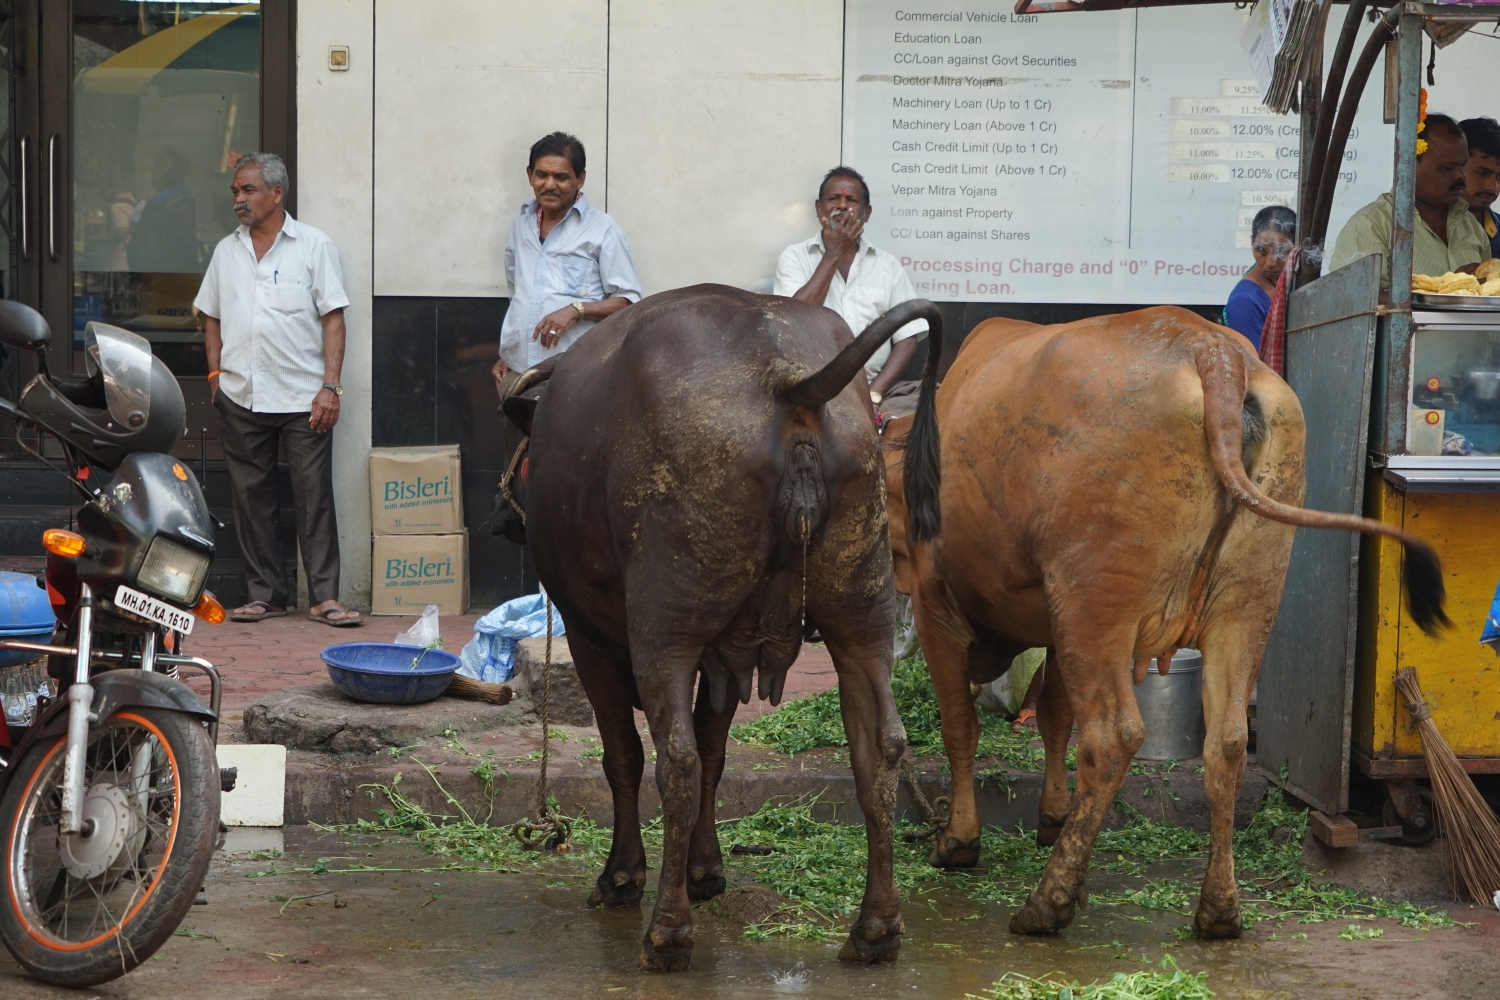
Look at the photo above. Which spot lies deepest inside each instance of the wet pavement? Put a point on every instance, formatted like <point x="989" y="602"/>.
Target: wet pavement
<point x="437" y="935"/>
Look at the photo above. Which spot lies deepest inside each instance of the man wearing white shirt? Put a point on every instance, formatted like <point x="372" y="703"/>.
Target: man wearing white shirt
<point x="842" y="271"/>
<point x="273" y="300"/>
<point x="567" y="264"/>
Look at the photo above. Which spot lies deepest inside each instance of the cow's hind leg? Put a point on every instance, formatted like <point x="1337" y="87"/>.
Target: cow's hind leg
<point x="1094" y="664"/>
<point x="1054" y="718"/>
<point x="1230" y="656"/>
<point x="608" y="686"/>
<point x="876" y="743"/>
<point x="667" y="694"/>
<point x="945" y="644"/>
<point x="705" y="861"/>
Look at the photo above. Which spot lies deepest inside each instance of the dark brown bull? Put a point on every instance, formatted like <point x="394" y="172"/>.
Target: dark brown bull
<point x="1114" y="489"/>
<point x="704" y="486"/>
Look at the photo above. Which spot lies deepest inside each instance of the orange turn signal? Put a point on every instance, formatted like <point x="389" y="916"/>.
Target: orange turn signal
<point x="209" y="609"/>
<point x="61" y="542"/>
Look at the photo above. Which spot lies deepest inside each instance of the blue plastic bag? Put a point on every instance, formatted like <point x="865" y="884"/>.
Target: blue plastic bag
<point x="491" y="655"/>
<point x="1491" y="635"/>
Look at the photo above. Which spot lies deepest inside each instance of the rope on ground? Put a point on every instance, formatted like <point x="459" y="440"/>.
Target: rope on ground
<point x="545" y="829"/>
<point x="933" y="813"/>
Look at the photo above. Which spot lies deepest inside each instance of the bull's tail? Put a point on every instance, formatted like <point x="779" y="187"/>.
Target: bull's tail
<point x="1225" y="406"/>
<point x="830" y="380"/>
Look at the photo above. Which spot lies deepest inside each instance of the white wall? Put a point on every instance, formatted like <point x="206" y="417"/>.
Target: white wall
<point x="723" y="117"/>
<point x="462" y="89"/>
<point x="335" y="161"/>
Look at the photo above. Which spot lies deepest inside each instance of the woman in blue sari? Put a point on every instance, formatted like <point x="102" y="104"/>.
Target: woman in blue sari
<point x="1273" y="232"/>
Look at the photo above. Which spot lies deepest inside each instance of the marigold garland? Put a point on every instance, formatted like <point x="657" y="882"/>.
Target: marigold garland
<point x="1421" y="120"/>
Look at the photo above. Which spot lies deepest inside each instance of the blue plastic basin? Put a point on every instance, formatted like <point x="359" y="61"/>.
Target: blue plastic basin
<point x="389" y="674"/>
<point x="25" y="614"/>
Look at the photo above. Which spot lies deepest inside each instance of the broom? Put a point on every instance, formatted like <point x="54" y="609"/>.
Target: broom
<point x="1469" y="827"/>
<point x="468" y="687"/>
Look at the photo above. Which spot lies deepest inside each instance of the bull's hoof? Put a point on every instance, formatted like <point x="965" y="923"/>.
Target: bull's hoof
<point x="871" y="941"/>
<point x="667" y="949"/>
<point x="950" y="852"/>
<point x="620" y="889"/>
<point x="1048" y="829"/>
<point x="1217" y="925"/>
<point x="1040" y="919"/>
<point x="705" y="888"/>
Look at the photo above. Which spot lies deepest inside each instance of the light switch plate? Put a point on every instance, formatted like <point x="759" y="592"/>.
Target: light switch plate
<point x="338" y="58"/>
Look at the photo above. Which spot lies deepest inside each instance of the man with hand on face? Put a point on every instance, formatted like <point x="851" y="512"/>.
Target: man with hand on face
<point x="567" y="263"/>
<point x="841" y="270"/>
<point x="1447" y="237"/>
<point x="273" y="302"/>
<point x="1482" y="176"/>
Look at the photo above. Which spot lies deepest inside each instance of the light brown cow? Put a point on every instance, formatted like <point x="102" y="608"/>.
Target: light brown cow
<point x="1114" y="489"/>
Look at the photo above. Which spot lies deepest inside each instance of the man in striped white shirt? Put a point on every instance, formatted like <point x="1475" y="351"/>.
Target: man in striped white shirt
<point x="567" y="263"/>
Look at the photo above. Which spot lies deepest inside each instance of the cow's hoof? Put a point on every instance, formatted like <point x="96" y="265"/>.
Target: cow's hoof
<point x="620" y="889"/>
<point x="667" y="949"/>
<point x="705" y="888"/>
<point x="1048" y="829"/>
<point x="1039" y="918"/>
<point x="950" y="852"/>
<point x="871" y="941"/>
<point x="1217" y="925"/>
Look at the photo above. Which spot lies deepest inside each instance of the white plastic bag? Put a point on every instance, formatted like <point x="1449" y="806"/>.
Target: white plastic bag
<point x="425" y="632"/>
<point x="491" y="655"/>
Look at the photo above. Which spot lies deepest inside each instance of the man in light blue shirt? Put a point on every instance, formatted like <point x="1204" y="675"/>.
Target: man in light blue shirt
<point x="567" y="263"/>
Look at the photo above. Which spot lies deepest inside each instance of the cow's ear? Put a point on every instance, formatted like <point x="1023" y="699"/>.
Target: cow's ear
<point x="519" y="410"/>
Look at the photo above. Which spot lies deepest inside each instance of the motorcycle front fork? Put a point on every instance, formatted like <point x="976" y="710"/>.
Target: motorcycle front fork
<point x="80" y="714"/>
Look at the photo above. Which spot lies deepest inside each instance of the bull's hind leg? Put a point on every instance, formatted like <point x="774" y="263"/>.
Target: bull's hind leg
<point x="1231" y="655"/>
<point x="666" y="687"/>
<point x="876" y="744"/>
<point x="705" y="863"/>
<point x="1054" y="719"/>
<point x="945" y="644"/>
<point x="1094" y="663"/>
<point x="608" y="686"/>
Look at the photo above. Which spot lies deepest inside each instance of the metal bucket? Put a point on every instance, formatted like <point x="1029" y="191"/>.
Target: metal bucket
<point x="1172" y="707"/>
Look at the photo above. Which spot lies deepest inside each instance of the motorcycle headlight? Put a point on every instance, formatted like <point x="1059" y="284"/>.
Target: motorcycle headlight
<point x="173" y="571"/>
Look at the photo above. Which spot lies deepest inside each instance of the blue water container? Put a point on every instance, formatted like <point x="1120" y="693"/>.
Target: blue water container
<point x="25" y="613"/>
<point x="388" y="673"/>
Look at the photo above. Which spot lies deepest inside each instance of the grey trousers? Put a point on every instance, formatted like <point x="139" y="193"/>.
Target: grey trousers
<point x="251" y="448"/>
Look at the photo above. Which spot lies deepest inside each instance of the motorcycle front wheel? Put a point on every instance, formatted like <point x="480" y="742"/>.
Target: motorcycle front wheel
<point x="81" y="910"/>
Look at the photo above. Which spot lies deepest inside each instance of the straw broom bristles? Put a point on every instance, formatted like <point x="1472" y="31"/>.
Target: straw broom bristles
<point x="468" y="687"/>
<point x="1468" y="824"/>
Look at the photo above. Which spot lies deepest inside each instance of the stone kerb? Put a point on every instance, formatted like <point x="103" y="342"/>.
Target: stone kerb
<point x="569" y="704"/>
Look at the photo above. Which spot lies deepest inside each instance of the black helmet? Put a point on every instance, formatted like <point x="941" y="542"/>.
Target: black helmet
<point x="130" y="401"/>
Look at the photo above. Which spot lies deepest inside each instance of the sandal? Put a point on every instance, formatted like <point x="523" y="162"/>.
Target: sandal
<point x="256" y="611"/>
<point x="1026" y="720"/>
<point x="350" y="619"/>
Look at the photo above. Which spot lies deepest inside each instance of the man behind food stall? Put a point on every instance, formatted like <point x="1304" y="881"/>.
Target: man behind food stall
<point x="1447" y="237"/>
<point x="1482" y="175"/>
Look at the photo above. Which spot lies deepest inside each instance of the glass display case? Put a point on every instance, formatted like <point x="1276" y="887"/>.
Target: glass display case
<point x="1455" y="385"/>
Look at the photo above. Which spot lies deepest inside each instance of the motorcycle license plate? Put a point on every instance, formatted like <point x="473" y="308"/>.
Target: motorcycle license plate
<point x="160" y="612"/>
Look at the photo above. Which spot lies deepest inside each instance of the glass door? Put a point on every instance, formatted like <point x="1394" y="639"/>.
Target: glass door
<point x="130" y="118"/>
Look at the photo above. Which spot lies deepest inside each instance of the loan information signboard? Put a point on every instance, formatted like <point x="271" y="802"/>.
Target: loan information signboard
<point x="1113" y="157"/>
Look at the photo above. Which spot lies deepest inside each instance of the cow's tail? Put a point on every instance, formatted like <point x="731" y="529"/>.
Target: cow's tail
<point x="1231" y="417"/>
<point x="830" y="380"/>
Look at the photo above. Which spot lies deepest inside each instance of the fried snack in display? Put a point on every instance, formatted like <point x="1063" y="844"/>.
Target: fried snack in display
<point x="1458" y="284"/>
<point x="1491" y="287"/>
<point x="1488" y="270"/>
<point x="1424" y="283"/>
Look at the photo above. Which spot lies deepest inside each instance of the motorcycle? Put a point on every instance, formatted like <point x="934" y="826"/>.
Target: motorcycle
<point x="109" y="799"/>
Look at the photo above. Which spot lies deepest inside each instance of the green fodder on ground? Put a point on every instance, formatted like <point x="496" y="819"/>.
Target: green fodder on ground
<point x="1169" y="984"/>
<point x="811" y="722"/>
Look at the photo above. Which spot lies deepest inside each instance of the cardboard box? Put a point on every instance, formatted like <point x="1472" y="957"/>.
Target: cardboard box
<point x="410" y="572"/>
<point x="416" y="491"/>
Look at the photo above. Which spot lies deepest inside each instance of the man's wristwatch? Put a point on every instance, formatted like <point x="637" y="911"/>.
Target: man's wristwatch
<point x="337" y="390"/>
<point x="579" y="307"/>
<point x="876" y="397"/>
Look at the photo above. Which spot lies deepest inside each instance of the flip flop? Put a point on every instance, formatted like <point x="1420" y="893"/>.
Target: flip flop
<point x="322" y="616"/>
<point x="245" y="614"/>
<point x="1026" y="720"/>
